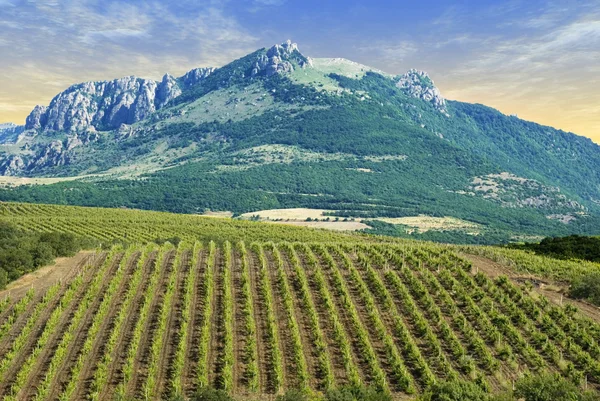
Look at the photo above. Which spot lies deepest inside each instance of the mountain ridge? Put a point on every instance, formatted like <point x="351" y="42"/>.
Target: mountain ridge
<point x="393" y="141"/>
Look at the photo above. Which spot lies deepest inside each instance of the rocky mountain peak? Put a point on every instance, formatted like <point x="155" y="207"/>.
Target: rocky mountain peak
<point x="167" y="90"/>
<point x="281" y="59"/>
<point x="5" y="126"/>
<point x="196" y="75"/>
<point x="10" y="132"/>
<point x="99" y="105"/>
<point x="418" y="84"/>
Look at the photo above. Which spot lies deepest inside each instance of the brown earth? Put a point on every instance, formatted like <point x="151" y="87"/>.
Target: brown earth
<point x="553" y="291"/>
<point x="63" y="269"/>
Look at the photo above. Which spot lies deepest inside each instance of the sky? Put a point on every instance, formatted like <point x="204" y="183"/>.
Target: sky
<point x="539" y="59"/>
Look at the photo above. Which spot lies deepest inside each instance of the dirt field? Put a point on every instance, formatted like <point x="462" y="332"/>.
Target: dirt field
<point x="43" y="278"/>
<point x="329" y="225"/>
<point x="298" y="217"/>
<point x="322" y="314"/>
<point x="426" y="223"/>
<point x="288" y="214"/>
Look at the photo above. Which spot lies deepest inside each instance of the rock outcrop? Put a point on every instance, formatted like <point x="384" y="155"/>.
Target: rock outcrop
<point x="9" y="132"/>
<point x="195" y="76"/>
<point x="12" y="165"/>
<point x="37" y="118"/>
<point x="280" y="59"/>
<point x="418" y="84"/>
<point x="105" y="105"/>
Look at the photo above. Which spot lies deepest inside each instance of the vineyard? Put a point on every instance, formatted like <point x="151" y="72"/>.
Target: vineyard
<point x="128" y="225"/>
<point x="256" y="318"/>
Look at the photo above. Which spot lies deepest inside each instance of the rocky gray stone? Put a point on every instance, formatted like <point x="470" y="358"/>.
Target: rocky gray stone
<point x="279" y="60"/>
<point x="418" y="84"/>
<point x="9" y="132"/>
<point x="12" y="165"/>
<point x="166" y="91"/>
<point x="105" y="105"/>
<point x="196" y="75"/>
<point x="37" y="118"/>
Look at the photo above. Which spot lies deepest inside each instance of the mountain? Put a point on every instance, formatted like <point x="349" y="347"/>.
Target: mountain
<point x="277" y="129"/>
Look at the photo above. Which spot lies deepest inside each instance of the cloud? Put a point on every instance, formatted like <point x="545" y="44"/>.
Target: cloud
<point x="48" y="45"/>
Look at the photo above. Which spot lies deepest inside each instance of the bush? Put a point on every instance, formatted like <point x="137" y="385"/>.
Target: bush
<point x="454" y="391"/>
<point x="587" y="287"/>
<point x="211" y="394"/>
<point x="549" y="387"/>
<point x="22" y="252"/>
<point x="293" y="395"/>
<point x="357" y="394"/>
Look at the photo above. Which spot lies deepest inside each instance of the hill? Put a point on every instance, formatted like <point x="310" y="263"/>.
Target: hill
<point x="257" y="315"/>
<point x="276" y="129"/>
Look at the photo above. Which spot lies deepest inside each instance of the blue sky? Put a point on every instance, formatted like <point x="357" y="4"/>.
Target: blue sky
<point x="535" y="58"/>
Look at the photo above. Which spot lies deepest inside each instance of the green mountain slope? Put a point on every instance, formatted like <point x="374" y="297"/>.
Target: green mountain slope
<point x="276" y="129"/>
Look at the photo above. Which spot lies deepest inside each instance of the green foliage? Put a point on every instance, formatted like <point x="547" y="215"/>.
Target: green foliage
<point x="454" y="391"/>
<point x="22" y="252"/>
<point x="549" y="387"/>
<point x="571" y="247"/>
<point x="294" y="395"/>
<point x="434" y="159"/>
<point x="211" y="394"/>
<point x="587" y="287"/>
<point x="357" y="393"/>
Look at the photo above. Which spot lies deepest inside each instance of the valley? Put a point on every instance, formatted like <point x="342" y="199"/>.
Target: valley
<point x="277" y="129"/>
<point x="258" y="309"/>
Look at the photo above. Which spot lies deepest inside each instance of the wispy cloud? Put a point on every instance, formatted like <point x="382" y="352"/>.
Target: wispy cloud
<point x="45" y="43"/>
<point x="538" y="58"/>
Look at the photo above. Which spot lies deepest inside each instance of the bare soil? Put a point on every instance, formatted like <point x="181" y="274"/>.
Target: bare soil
<point x="196" y="321"/>
<point x="46" y="356"/>
<point x="358" y="358"/>
<point x="115" y="371"/>
<point x="260" y="318"/>
<point x="217" y="324"/>
<point x="143" y="353"/>
<point x="63" y="269"/>
<point x="39" y="327"/>
<point x="171" y="339"/>
<point x="555" y="292"/>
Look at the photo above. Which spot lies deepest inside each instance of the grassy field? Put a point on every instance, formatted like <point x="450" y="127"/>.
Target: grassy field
<point x="257" y="309"/>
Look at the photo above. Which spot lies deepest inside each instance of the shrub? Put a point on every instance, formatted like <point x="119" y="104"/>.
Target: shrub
<point x="358" y="393"/>
<point x="454" y="391"/>
<point x="587" y="287"/>
<point x="211" y="394"/>
<point x="549" y="387"/>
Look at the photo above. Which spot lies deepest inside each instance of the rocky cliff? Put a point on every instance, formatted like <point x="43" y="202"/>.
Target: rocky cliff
<point x="280" y="59"/>
<point x="105" y="105"/>
<point x="418" y="84"/>
<point x="9" y="132"/>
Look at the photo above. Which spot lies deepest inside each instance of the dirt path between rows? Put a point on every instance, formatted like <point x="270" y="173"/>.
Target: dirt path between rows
<point x="142" y="360"/>
<point x="40" y="326"/>
<point x="262" y="353"/>
<point x="173" y="335"/>
<point x="46" y="356"/>
<point x="115" y="371"/>
<point x="217" y="325"/>
<point x="554" y="293"/>
<point x="43" y="278"/>
<point x="197" y="317"/>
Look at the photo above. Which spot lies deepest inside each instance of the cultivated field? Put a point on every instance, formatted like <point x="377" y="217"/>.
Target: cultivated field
<point x="258" y="317"/>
